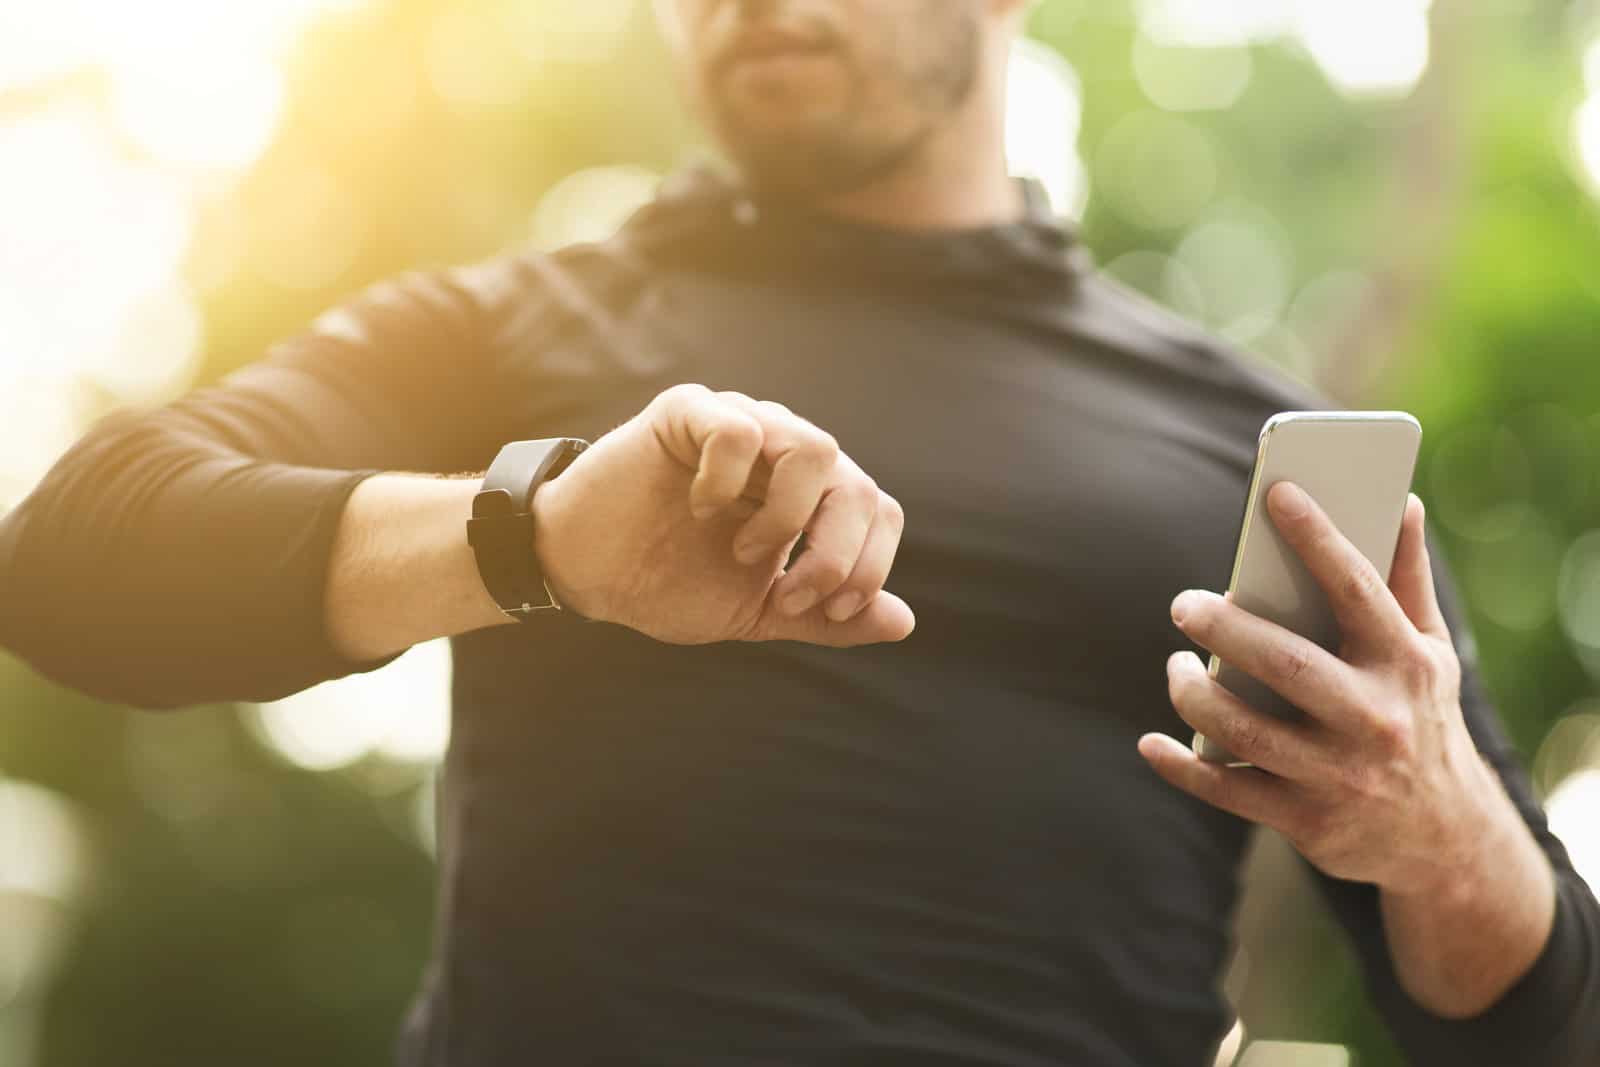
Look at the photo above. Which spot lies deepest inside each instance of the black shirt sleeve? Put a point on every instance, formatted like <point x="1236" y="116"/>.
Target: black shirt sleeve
<point x="1551" y="1017"/>
<point x="179" y="555"/>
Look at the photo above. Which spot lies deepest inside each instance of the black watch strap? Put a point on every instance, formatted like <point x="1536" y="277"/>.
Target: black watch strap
<point x="501" y="530"/>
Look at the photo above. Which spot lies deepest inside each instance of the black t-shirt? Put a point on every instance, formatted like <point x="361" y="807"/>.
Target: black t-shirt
<point x="940" y="852"/>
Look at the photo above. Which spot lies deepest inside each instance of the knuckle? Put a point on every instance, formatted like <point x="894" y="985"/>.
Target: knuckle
<point x="862" y="493"/>
<point x="781" y="526"/>
<point x="1356" y="777"/>
<point x="1420" y="669"/>
<point x="682" y="393"/>
<point x="829" y="570"/>
<point x="1289" y="660"/>
<point x="1390" y="734"/>
<point x="1449" y="667"/>
<point x="741" y="430"/>
<point x="1360" y="586"/>
<point x="892" y="511"/>
<point x="821" y="445"/>
<point x="772" y="407"/>
<point x="1309" y="830"/>
<point x="1246" y="735"/>
<point x="1446" y="664"/>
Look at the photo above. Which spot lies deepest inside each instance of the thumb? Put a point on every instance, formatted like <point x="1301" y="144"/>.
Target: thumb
<point x="1411" y="578"/>
<point x="885" y="618"/>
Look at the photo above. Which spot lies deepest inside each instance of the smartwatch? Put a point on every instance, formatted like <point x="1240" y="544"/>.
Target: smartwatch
<point x="501" y="529"/>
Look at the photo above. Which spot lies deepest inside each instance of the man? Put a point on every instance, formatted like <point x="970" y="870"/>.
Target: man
<point x="696" y="836"/>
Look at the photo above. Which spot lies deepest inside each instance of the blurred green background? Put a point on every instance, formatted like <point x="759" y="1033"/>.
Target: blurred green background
<point x="1393" y="200"/>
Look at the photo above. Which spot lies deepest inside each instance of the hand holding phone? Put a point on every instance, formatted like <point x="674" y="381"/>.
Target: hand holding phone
<point x="1358" y="466"/>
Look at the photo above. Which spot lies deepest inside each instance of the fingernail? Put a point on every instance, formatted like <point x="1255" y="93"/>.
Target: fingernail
<point x="843" y="606"/>
<point x="799" y="601"/>
<point x="1182" y="606"/>
<point x="1159" y="748"/>
<point x="1292" y="502"/>
<point x="1174" y="662"/>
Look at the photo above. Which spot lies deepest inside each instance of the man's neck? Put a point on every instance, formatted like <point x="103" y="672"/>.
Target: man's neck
<point x="933" y="198"/>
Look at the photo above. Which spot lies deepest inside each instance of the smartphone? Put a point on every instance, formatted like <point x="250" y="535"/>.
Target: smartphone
<point x="1358" y="466"/>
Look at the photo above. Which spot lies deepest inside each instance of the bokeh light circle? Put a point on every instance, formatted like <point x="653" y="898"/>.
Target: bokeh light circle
<point x="1043" y="111"/>
<point x="43" y="850"/>
<point x="222" y="114"/>
<point x="1574" y="812"/>
<point x="1214" y="23"/>
<point x="1513" y="580"/>
<point x="1368" y="47"/>
<point x="591" y="204"/>
<point x="1482" y="482"/>
<point x="1159" y="277"/>
<point x="309" y="233"/>
<point x="400" y="712"/>
<point x="473" y="63"/>
<point x="1156" y="170"/>
<point x="1244" y="268"/>
<point x="1572" y="745"/>
<point x="1586" y="140"/>
<point x="1177" y="78"/>
<point x="1578" y="597"/>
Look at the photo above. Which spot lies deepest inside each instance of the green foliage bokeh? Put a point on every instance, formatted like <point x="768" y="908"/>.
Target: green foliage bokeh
<point x="244" y="911"/>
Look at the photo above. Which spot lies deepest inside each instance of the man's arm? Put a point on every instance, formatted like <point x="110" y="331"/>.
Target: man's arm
<point x="1494" y="884"/>
<point x="245" y="542"/>
<point x="180" y="555"/>
<point x="678" y="524"/>
<point x="401" y="571"/>
<point x="1479" y="940"/>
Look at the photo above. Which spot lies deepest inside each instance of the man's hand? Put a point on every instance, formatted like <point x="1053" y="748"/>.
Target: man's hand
<point x="679" y="524"/>
<point x="1380" y="782"/>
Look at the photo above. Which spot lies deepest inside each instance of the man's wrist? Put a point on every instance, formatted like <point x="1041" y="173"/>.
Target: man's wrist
<point x="1463" y="936"/>
<point x="503" y="530"/>
<point x="1484" y="833"/>
<point x="547" y="505"/>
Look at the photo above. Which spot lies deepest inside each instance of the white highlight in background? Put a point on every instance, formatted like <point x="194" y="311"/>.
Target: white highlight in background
<point x="591" y="204"/>
<point x="219" y="114"/>
<point x="1043" y="110"/>
<point x="41" y="846"/>
<point x="1574" y="812"/>
<point x="400" y="712"/>
<point x="1364" y="47"/>
<point x="1586" y="140"/>
<point x="1294" y="1054"/>
<point x="1215" y="23"/>
<point x="1368" y="47"/>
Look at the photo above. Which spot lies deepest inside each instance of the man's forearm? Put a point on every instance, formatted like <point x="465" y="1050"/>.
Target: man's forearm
<point x="401" y="570"/>
<point x="1460" y="947"/>
<point x="654" y="527"/>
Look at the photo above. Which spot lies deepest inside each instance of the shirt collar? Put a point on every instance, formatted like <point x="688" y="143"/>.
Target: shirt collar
<point x="703" y="220"/>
